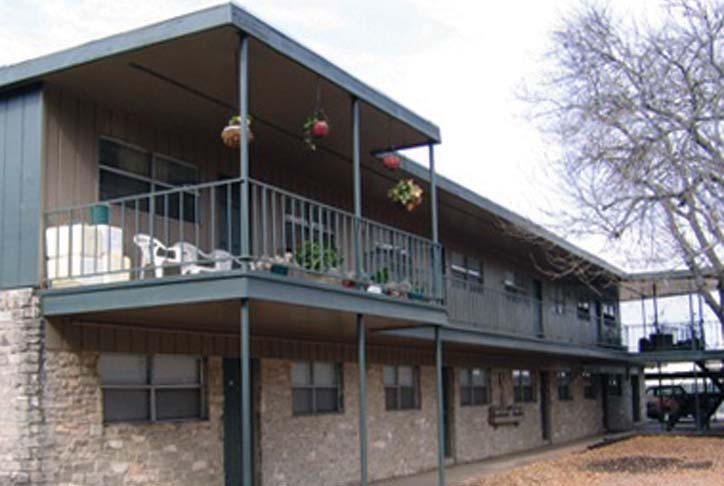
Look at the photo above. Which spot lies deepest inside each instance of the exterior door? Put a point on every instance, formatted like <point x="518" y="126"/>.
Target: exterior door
<point x="604" y="400"/>
<point x="232" y="420"/>
<point x="545" y="399"/>
<point x="538" y="307"/>
<point x="635" y="398"/>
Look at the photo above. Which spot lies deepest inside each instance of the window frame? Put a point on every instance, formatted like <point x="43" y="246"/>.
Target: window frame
<point x="559" y="300"/>
<point x="564" y="384"/>
<point x="155" y="184"/>
<point x="583" y="309"/>
<point x="519" y="388"/>
<point x="467" y="271"/>
<point x="417" y="405"/>
<point x="151" y="388"/>
<point x="589" y="386"/>
<point x="471" y="387"/>
<point x="313" y="387"/>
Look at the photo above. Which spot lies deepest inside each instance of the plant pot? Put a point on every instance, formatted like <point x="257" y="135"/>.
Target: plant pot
<point x="391" y="161"/>
<point x="99" y="214"/>
<point x="231" y="135"/>
<point x="281" y="270"/>
<point x="415" y="296"/>
<point x="350" y="284"/>
<point x="319" y="129"/>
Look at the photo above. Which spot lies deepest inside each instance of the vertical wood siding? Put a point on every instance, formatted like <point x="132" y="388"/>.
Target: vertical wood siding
<point x="21" y="127"/>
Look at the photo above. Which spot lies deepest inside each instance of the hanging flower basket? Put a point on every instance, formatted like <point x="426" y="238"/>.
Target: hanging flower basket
<point x="407" y="193"/>
<point x="391" y="160"/>
<point x="315" y="128"/>
<point x="231" y="134"/>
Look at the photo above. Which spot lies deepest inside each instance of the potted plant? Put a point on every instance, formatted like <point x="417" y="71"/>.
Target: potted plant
<point x="231" y="134"/>
<point x="407" y="193"/>
<point x="391" y="160"/>
<point x="315" y="128"/>
<point x="378" y="280"/>
<point x="416" y="292"/>
<point x="313" y="257"/>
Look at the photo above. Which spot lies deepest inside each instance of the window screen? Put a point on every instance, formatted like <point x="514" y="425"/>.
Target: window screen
<point x="402" y="388"/>
<point x="523" y="386"/>
<point x="563" y="381"/>
<point x="151" y="388"/>
<point x="316" y="387"/>
<point x="474" y="387"/>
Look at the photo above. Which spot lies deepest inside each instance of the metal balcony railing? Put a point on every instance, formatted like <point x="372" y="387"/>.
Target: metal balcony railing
<point x="198" y="229"/>
<point x="472" y="304"/>
<point x="704" y="335"/>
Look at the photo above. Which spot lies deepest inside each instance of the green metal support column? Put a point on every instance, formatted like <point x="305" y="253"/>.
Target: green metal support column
<point x="357" y="175"/>
<point x="244" y="146"/>
<point x="437" y="289"/>
<point x="362" y="365"/>
<point x="245" y="367"/>
<point x="440" y="411"/>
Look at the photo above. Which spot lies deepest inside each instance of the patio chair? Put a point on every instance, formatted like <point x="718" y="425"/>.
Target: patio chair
<point x="200" y="261"/>
<point x="161" y="254"/>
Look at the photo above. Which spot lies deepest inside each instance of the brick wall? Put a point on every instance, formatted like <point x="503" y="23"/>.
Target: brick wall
<point x="21" y="413"/>
<point x="84" y="452"/>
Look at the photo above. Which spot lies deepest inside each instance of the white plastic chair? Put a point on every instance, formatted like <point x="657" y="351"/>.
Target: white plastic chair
<point x="161" y="254"/>
<point x="222" y="260"/>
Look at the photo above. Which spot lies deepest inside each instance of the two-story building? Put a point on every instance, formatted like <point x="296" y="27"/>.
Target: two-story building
<point x="181" y="309"/>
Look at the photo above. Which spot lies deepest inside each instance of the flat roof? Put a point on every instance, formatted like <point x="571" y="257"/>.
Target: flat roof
<point x="228" y="14"/>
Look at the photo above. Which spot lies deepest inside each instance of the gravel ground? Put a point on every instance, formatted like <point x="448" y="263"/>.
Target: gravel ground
<point x="640" y="461"/>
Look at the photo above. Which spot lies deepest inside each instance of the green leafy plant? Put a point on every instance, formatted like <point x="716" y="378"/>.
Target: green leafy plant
<point x="407" y="193"/>
<point x="381" y="276"/>
<point x="312" y="256"/>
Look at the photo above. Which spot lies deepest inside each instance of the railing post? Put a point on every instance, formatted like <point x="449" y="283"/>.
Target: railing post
<point x="244" y="147"/>
<point x="436" y="254"/>
<point x="357" y="189"/>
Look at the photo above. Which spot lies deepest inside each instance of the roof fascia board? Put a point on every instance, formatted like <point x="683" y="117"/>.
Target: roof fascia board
<point x="116" y="44"/>
<point x="292" y="49"/>
<point x="489" y="206"/>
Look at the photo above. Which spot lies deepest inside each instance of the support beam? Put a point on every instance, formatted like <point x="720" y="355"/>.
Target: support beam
<point x="362" y="366"/>
<point x="244" y="146"/>
<point x="245" y="367"/>
<point x="440" y="409"/>
<point x="356" y="161"/>
<point x="437" y="257"/>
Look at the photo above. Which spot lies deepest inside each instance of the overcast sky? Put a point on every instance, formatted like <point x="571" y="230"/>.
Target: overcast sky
<point x="458" y="63"/>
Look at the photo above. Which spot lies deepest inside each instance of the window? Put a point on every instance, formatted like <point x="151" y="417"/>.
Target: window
<point x="559" y="300"/>
<point x="589" y="386"/>
<point x="608" y="309"/>
<point x="523" y="387"/>
<point x="583" y="309"/>
<point x="402" y="387"/>
<point x="126" y="170"/>
<point x="563" y="380"/>
<point x="151" y="388"/>
<point x="515" y="283"/>
<point x="474" y="386"/>
<point x="614" y="385"/>
<point x="316" y="388"/>
<point x="463" y="267"/>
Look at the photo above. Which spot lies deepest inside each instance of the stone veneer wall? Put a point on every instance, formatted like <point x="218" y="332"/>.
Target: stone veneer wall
<point x="84" y="452"/>
<point x="476" y="439"/>
<point x="323" y="450"/>
<point x="21" y="413"/>
<point x="620" y="415"/>
<point x="577" y="418"/>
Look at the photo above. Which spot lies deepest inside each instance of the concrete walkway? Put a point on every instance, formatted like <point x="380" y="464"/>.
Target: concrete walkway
<point x="458" y="474"/>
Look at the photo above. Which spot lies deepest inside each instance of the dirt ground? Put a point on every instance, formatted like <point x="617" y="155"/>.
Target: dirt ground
<point x="640" y="461"/>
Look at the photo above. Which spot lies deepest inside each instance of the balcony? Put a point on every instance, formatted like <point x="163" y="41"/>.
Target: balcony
<point x="499" y="311"/>
<point x="194" y="230"/>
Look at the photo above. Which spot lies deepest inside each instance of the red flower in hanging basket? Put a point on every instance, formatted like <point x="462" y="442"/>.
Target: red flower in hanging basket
<point x="315" y="128"/>
<point x="391" y="161"/>
<point x="320" y="128"/>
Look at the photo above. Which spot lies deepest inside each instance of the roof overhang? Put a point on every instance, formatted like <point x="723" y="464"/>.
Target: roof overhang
<point x="196" y="22"/>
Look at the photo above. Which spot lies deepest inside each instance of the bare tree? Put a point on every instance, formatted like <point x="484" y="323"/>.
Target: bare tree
<point x="639" y="114"/>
